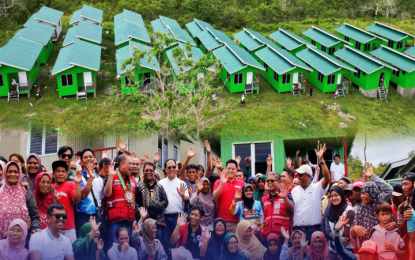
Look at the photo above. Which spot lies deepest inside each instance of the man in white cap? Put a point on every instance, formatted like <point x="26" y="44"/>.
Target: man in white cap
<point x="307" y="197"/>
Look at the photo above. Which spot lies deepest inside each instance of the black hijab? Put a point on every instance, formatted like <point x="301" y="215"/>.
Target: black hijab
<point x="336" y="211"/>
<point x="247" y="203"/>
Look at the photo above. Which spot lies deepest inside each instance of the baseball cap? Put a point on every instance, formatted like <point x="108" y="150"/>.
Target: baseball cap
<point x="59" y="163"/>
<point x="305" y="169"/>
<point x="368" y="246"/>
<point x="397" y="190"/>
<point x="358" y="183"/>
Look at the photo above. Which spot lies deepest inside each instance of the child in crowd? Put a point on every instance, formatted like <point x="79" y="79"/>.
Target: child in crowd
<point x="390" y="245"/>
<point x="368" y="251"/>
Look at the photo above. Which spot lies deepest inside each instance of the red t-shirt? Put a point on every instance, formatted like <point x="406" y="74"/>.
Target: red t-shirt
<point x="226" y="197"/>
<point x="66" y="193"/>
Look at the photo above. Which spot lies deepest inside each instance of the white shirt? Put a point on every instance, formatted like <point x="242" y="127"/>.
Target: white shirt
<point x="97" y="187"/>
<point x="50" y="247"/>
<point x="338" y="170"/>
<point x="307" y="204"/>
<point x="176" y="204"/>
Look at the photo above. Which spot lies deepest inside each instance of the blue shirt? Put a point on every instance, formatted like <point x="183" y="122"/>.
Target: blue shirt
<point x="411" y="223"/>
<point x="87" y="205"/>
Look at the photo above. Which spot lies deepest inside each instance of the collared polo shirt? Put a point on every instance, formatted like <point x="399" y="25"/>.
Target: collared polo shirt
<point x="307" y="209"/>
<point x="176" y="204"/>
<point x="50" y="247"/>
<point x="226" y="197"/>
<point x="338" y="170"/>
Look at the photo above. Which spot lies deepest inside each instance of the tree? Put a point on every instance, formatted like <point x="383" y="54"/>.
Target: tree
<point x="390" y="8"/>
<point x="380" y="168"/>
<point x="375" y="6"/>
<point x="355" y="167"/>
<point x="411" y="154"/>
<point x="6" y="5"/>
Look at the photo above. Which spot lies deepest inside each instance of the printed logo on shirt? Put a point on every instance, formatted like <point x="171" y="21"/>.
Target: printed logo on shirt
<point x="60" y="193"/>
<point x="238" y="187"/>
<point x="249" y="214"/>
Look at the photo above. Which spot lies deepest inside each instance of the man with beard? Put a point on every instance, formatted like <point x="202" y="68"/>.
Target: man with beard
<point x="50" y="244"/>
<point x="135" y="169"/>
<point x="404" y="210"/>
<point x="153" y="197"/>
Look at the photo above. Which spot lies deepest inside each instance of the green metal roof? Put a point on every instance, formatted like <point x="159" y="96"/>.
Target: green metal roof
<point x="49" y="15"/>
<point x="158" y="26"/>
<point x="411" y="51"/>
<point x="88" y="12"/>
<point x="355" y="33"/>
<point x="222" y="37"/>
<point x="395" y="58"/>
<point x="80" y="53"/>
<point x="203" y="24"/>
<point x="208" y="40"/>
<point x="247" y="41"/>
<point x="130" y="30"/>
<point x="31" y="20"/>
<point x="166" y="25"/>
<point x="129" y="16"/>
<point x="360" y="60"/>
<point x="37" y="32"/>
<point x="287" y="39"/>
<point x="194" y="28"/>
<point x="180" y="34"/>
<point x="231" y="63"/>
<point x="321" y="61"/>
<point x="196" y="54"/>
<point x="323" y="37"/>
<point x="84" y="30"/>
<point x="388" y="32"/>
<point x="168" y="21"/>
<point x="275" y="61"/>
<point x="127" y="52"/>
<point x="19" y="53"/>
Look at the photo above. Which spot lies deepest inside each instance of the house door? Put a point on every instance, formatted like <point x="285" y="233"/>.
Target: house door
<point x="249" y="76"/>
<point x="22" y="79"/>
<point x="339" y="79"/>
<point x="147" y="78"/>
<point x="295" y="79"/>
<point x="88" y="79"/>
<point x="381" y="79"/>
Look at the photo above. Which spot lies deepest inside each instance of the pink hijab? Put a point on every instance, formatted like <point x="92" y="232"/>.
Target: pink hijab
<point x="324" y="253"/>
<point x="8" y="251"/>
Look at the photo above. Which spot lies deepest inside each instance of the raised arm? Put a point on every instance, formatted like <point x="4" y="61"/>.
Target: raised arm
<point x="77" y="196"/>
<point x="381" y="183"/>
<point x="223" y="180"/>
<point x="87" y="188"/>
<point x="297" y="162"/>
<point x="190" y="154"/>
<point x="209" y="169"/>
<point x="108" y="185"/>
<point x="203" y="248"/>
<point x="269" y="163"/>
<point x="181" y="221"/>
<point x="326" y="175"/>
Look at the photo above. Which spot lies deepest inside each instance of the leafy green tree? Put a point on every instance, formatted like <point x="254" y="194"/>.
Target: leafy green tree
<point x="411" y="154"/>
<point x="355" y="167"/>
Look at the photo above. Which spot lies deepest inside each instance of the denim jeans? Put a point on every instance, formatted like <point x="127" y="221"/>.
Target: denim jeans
<point x="80" y="220"/>
<point x="171" y="222"/>
<point x="112" y="230"/>
<point x="163" y="237"/>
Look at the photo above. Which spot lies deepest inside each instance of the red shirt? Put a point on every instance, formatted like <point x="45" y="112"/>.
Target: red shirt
<point x="226" y="197"/>
<point x="66" y="193"/>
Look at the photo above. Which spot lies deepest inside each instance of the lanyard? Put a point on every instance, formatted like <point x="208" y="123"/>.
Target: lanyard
<point x="122" y="181"/>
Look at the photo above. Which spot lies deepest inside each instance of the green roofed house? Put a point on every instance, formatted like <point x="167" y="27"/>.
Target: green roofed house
<point x="404" y="75"/>
<point x="128" y="16"/>
<point x="196" y="54"/>
<point x="391" y="37"/>
<point x="85" y="31"/>
<point x="371" y="75"/>
<point x="360" y="39"/>
<point x="327" y="71"/>
<point x="172" y="29"/>
<point x="410" y="51"/>
<point x="324" y="40"/>
<point x="203" y="38"/>
<point x="19" y="60"/>
<point x="76" y="69"/>
<point x="143" y="77"/>
<point x="131" y="31"/>
<point x="282" y="69"/>
<point x="39" y="33"/>
<point x="49" y="16"/>
<point x="87" y="13"/>
<point x="289" y="41"/>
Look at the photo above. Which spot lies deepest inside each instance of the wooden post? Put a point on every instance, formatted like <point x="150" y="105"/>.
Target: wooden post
<point x="345" y="156"/>
<point x="348" y="84"/>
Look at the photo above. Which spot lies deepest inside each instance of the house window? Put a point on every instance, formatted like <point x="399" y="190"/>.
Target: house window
<point x="358" y="45"/>
<point x="282" y="47"/>
<point x="323" y="48"/>
<point x="66" y="80"/>
<point x="35" y="64"/>
<point x="286" y="78"/>
<point x="331" y="50"/>
<point x="237" y="78"/>
<point x="395" y="72"/>
<point x="276" y="76"/>
<point x="320" y="77"/>
<point x="257" y="151"/>
<point x="331" y="79"/>
<point x="373" y="46"/>
<point x="266" y="67"/>
<point x="163" y="149"/>
<point x="127" y="81"/>
<point x="346" y="38"/>
<point x="364" y="73"/>
<point x="43" y="140"/>
<point x="1" y="81"/>
<point x="47" y="46"/>
<point x="403" y="72"/>
<point x="367" y="47"/>
<point x="390" y="44"/>
<point x="313" y="42"/>
<point x="400" y="45"/>
<point x="175" y="153"/>
<point x="228" y="76"/>
<point x="357" y="73"/>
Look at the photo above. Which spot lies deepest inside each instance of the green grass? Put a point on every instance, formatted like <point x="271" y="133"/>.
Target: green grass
<point x="268" y="111"/>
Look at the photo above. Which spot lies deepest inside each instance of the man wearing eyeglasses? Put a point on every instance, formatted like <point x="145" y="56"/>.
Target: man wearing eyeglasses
<point x="50" y="244"/>
<point x="152" y="196"/>
<point x="278" y="204"/>
<point x="177" y="193"/>
<point x="65" y="153"/>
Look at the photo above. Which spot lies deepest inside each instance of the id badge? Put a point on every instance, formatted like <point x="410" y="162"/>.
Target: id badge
<point x="277" y="206"/>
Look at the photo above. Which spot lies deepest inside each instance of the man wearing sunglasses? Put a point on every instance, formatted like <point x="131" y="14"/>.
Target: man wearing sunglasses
<point x="65" y="153"/>
<point x="50" y="244"/>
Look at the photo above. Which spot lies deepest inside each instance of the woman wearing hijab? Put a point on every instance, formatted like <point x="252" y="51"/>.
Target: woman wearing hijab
<point x="260" y="191"/>
<point x="211" y="247"/>
<point x="1" y="175"/>
<point x="44" y="197"/>
<point x="88" y="246"/>
<point x="318" y="249"/>
<point x="18" y="158"/>
<point x="252" y="181"/>
<point x="365" y="218"/>
<point x="249" y="242"/>
<point x="12" y="248"/>
<point x="230" y="248"/>
<point x="273" y="247"/>
<point x="203" y="196"/>
<point x="337" y="208"/>
<point x="16" y="202"/>
<point x="246" y="207"/>
<point x="34" y="167"/>
<point x="292" y="253"/>
<point x="148" y="247"/>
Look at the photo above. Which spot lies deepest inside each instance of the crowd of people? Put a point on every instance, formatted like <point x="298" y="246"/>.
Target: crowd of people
<point x="123" y="208"/>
